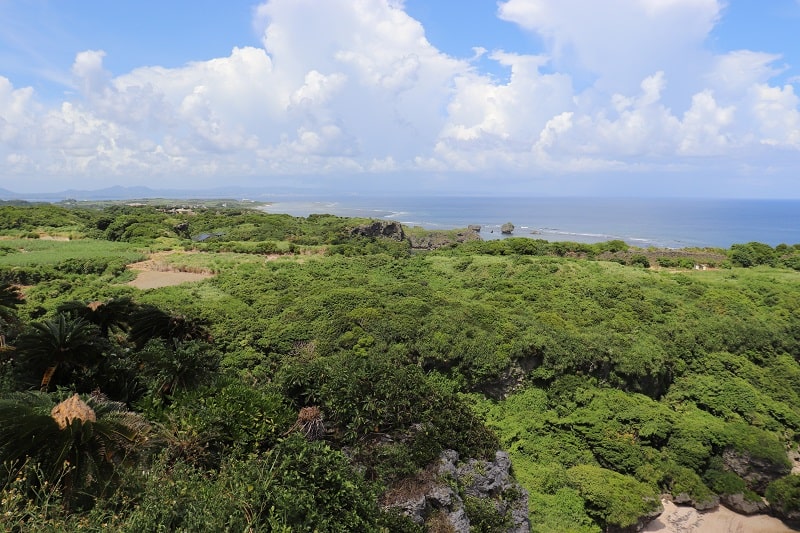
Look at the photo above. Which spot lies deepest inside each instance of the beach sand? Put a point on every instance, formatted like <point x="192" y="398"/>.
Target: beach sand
<point x="679" y="519"/>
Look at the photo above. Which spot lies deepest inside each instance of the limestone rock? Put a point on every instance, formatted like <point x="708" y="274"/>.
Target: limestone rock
<point x="704" y="505"/>
<point x="486" y="478"/>
<point x="438" y="494"/>
<point x="756" y="472"/>
<point x="790" y="518"/>
<point x="380" y="228"/>
<point x="433" y="240"/>
<point x="493" y="480"/>
<point x="507" y="228"/>
<point x="740" y="504"/>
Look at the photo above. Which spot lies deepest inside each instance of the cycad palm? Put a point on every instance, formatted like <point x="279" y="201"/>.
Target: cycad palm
<point x="173" y="366"/>
<point x="77" y="441"/>
<point x="10" y="298"/>
<point x="113" y="313"/>
<point x="149" y="322"/>
<point x="61" y="342"/>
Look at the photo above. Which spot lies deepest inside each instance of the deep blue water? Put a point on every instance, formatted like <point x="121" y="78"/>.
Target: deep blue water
<point x="667" y="223"/>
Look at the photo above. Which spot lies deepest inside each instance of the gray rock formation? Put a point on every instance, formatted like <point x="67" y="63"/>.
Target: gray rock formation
<point x="380" y="228"/>
<point x="492" y="479"/>
<point x="474" y="227"/>
<point x="790" y="517"/>
<point x="432" y="240"/>
<point x="756" y="472"/>
<point x="452" y="481"/>
<point x="507" y="228"/>
<point x="701" y="505"/>
<point x="740" y="504"/>
<point x="511" y="378"/>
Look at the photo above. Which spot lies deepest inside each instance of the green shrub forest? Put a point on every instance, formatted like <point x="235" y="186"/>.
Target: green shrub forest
<point x="316" y="370"/>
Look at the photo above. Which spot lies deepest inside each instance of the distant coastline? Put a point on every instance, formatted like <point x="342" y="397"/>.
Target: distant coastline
<point x="645" y="222"/>
<point x="661" y="223"/>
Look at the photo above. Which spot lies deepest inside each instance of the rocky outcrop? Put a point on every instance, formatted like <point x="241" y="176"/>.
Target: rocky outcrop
<point x="431" y="240"/>
<point x="511" y="378"/>
<point x="380" y="228"/>
<point x="742" y="505"/>
<point x="474" y="227"/>
<point x="790" y="517"/>
<point x="507" y="228"/>
<point x="442" y="493"/>
<point x="419" y="239"/>
<point x="756" y="472"/>
<point x="701" y="505"/>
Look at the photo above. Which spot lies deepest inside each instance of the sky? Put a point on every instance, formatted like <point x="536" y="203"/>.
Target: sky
<point x="694" y="98"/>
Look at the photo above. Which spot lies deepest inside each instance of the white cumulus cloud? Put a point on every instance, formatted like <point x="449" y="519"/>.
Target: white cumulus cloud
<point x="342" y="87"/>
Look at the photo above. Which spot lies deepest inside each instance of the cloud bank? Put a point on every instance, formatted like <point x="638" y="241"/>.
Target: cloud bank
<point x="348" y="88"/>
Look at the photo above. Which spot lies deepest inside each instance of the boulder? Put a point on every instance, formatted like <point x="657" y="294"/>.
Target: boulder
<point x="740" y="504"/>
<point x="701" y="505"/>
<point x="474" y="227"/>
<point x="507" y="228"/>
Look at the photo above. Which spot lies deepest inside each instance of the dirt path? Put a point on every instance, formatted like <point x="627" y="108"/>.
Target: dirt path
<point x="154" y="273"/>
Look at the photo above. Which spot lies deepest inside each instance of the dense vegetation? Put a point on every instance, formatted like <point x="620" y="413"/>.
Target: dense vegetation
<point x="321" y="368"/>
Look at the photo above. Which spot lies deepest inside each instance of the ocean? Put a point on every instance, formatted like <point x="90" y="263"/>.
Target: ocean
<point x="662" y="223"/>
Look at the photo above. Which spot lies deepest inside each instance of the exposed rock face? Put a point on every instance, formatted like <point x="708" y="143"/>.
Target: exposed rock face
<point x="757" y="473"/>
<point x="507" y="228"/>
<point x="789" y="517"/>
<point x="492" y="479"/>
<point x="489" y="480"/>
<point x="740" y="504"/>
<point x="181" y="228"/>
<point x="704" y="505"/>
<point x="380" y="228"/>
<point x="474" y="227"/>
<point x="439" y="239"/>
<point x="510" y="378"/>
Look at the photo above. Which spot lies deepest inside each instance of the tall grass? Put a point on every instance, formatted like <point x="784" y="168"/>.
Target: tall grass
<point x="32" y="252"/>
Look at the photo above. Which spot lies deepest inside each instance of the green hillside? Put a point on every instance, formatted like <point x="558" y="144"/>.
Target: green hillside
<point x="315" y="380"/>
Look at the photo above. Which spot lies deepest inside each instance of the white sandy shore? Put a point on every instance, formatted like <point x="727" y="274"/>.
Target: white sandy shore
<point x="677" y="519"/>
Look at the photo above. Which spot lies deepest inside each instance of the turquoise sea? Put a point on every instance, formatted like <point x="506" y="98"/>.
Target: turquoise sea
<point x="664" y="223"/>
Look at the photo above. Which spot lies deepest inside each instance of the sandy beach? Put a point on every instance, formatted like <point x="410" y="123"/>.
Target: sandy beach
<point x="679" y="519"/>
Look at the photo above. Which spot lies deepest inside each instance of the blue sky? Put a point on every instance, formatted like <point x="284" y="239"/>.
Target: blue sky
<point x="535" y="97"/>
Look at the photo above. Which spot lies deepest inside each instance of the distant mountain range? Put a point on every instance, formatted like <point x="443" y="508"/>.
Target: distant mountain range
<point x="131" y="193"/>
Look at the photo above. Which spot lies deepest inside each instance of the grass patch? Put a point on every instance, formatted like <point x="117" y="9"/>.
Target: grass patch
<point x="33" y="252"/>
